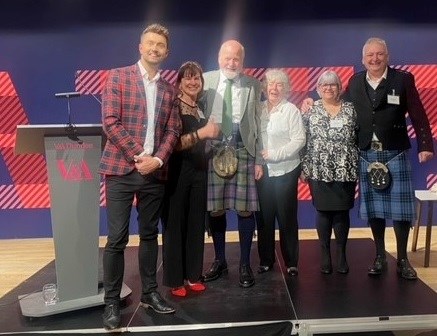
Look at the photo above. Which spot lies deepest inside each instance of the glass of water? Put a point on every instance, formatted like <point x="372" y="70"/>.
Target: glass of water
<point x="50" y="294"/>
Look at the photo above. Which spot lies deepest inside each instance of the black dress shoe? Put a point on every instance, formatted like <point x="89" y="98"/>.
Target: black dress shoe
<point x="326" y="269"/>
<point x="264" y="269"/>
<point x="292" y="271"/>
<point x="246" y="276"/>
<point x="157" y="303"/>
<point x="215" y="271"/>
<point x="379" y="265"/>
<point x="343" y="269"/>
<point x="405" y="270"/>
<point x="111" y="316"/>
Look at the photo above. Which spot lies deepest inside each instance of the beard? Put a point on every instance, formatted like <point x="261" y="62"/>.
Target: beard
<point x="231" y="74"/>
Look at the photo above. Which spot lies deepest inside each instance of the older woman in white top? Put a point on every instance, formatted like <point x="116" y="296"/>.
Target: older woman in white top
<point x="283" y="136"/>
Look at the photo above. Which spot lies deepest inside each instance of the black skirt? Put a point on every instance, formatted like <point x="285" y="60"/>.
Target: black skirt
<point x="332" y="196"/>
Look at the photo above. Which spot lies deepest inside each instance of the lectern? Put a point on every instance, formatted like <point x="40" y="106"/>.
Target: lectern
<point x="72" y="154"/>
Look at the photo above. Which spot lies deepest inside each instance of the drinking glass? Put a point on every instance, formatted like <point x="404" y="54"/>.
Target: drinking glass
<point x="50" y="294"/>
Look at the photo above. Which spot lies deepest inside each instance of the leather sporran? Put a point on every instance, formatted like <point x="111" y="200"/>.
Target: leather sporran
<point x="225" y="161"/>
<point x="378" y="175"/>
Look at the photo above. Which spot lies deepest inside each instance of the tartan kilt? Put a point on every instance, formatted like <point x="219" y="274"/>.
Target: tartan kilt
<point x="237" y="193"/>
<point x="397" y="201"/>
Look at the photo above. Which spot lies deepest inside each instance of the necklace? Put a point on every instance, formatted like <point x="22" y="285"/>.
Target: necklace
<point x="332" y="109"/>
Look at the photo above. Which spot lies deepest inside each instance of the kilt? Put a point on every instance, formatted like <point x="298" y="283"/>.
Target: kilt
<point x="397" y="201"/>
<point x="237" y="193"/>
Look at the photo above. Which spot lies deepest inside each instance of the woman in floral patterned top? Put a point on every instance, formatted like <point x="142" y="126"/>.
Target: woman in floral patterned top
<point x="329" y="165"/>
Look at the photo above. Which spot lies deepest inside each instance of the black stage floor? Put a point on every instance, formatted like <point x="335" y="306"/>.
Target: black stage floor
<point x="313" y="303"/>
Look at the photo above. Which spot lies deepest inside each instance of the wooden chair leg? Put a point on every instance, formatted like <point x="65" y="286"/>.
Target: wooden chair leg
<point x="428" y="233"/>
<point x="417" y="225"/>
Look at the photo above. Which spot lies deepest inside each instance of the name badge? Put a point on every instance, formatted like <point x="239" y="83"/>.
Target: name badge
<point x="336" y="123"/>
<point x="393" y="99"/>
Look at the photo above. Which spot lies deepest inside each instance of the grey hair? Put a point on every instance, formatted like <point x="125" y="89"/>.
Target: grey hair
<point x="329" y="77"/>
<point x="374" y="40"/>
<point x="277" y="76"/>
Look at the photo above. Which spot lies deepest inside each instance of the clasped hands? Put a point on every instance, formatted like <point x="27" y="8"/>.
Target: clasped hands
<point x="146" y="164"/>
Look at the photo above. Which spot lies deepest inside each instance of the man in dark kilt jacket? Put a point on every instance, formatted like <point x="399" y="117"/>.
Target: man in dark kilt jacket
<point x="233" y="100"/>
<point x="382" y="96"/>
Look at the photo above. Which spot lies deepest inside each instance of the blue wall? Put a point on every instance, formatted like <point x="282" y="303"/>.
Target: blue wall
<point x="43" y="44"/>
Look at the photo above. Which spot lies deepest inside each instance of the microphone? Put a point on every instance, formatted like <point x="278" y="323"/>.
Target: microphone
<point x="67" y="94"/>
<point x="70" y="128"/>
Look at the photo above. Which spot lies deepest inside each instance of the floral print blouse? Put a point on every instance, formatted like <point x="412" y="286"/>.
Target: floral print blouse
<point x="330" y="153"/>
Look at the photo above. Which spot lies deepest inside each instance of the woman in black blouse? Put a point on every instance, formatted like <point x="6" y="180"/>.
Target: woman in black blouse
<point x="185" y="196"/>
<point x="329" y="164"/>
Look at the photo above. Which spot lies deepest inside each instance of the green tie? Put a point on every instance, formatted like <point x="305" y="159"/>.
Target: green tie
<point x="227" y="109"/>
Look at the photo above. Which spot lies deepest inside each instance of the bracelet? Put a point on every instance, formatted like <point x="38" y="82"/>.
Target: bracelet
<point x="197" y="135"/>
<point x="193" y="137"/>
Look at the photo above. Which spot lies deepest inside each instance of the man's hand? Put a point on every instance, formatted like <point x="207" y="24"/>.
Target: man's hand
<point x="307" y="103"/>
<point x="425" y="156"/>
<point x="265" y="154"/>
<point x="146" y="164"/>
<point x="258" y="171"/>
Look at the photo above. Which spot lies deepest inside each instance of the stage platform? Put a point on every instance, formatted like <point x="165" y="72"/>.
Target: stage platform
<point x="311" y="303"/>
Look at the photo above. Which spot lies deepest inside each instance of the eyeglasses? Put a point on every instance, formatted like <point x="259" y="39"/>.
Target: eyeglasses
<point x="326" y="86"/>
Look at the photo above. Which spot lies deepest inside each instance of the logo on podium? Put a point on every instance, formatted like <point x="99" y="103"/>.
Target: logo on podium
<point x="74" y="171"/>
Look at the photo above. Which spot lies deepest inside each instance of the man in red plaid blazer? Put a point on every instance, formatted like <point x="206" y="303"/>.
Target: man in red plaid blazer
<point x="142" y="126"/>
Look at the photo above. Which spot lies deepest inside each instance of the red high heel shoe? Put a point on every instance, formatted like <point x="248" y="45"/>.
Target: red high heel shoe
<point x="179" y="291"/>
<point x="196" y="286"/>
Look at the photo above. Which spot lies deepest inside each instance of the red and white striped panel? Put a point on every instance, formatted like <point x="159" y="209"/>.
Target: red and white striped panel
<point x="27" y="172"/>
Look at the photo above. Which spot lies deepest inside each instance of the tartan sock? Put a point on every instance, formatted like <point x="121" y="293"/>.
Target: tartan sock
<point x="246" y="228"/>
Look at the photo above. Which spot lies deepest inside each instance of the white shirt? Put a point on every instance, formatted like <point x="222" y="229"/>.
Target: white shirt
<point x="374" y="83"/>
<point x="283" y="136"/>
<point x="217" y="106"/>
<point x="150" y="88"/>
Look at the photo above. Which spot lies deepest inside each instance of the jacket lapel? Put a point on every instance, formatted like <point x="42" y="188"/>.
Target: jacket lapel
<point x="140" y="83"/>
<point x="160" y="89"/>
<point x="211" y="92"/>
<point x="244" y="94"/>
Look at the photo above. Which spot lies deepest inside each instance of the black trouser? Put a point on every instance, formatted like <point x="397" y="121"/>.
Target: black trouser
<point x="278" y="202"/>
<point x="120" y="192"/>
<point x="184" y="228"/>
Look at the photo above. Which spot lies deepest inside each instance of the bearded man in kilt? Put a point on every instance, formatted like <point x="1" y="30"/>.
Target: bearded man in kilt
<point x="233" y="100"/>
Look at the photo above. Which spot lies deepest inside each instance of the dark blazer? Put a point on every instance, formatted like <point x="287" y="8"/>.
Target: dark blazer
<point x="124" y="118"/>
<point x="386" y="120"/>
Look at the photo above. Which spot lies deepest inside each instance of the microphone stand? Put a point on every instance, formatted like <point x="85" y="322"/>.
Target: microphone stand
<point x="70" y="129"/>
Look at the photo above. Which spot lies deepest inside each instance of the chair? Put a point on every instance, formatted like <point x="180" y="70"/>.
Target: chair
<point x="429" y="198"/>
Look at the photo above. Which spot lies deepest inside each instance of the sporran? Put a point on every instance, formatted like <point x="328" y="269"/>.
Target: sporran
<point x="378" y="175"/>
<point x="225" y="161"/>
